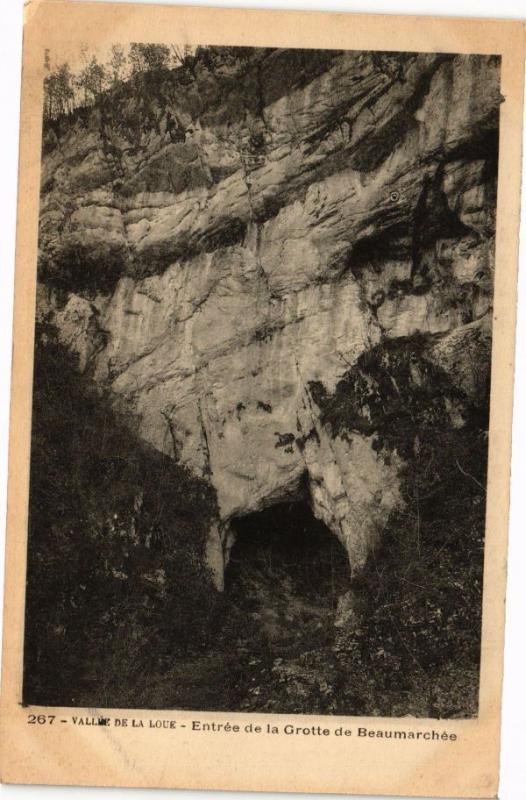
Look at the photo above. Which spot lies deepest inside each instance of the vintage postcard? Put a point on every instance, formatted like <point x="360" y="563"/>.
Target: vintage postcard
<point x="261" y="409"/>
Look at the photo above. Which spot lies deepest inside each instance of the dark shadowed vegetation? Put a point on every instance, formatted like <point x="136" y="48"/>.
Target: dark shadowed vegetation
<point x="417" y="649"/>
<point x="121" y="610"/>
<point x="116" y="582"/>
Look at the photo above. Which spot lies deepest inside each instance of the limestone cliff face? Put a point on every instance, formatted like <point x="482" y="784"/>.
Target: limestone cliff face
<point x="218" y="245"/>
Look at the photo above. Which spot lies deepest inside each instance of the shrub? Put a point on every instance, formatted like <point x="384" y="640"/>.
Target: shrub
<point x="421" y="591"/>
<point x="116" y="578"/>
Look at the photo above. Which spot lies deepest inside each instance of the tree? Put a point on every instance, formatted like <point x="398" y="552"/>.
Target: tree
<point x="58" y="89"/>
<point x="117" y="62"/>
<point x="183" y="55"/>
<point x="93" y="79"/>
<point x="148" y="57"/>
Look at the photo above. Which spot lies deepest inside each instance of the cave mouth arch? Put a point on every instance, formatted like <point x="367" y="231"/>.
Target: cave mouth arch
<point x="285" y="551"/>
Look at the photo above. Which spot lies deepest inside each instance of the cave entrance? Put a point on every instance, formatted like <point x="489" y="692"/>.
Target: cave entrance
<point x="286" y="574"/>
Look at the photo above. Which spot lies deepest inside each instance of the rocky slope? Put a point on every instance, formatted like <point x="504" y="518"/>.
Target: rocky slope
<point x="222" y="247"/>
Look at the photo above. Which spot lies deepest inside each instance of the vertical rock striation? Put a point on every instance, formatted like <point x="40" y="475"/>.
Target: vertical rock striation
<point x="221" y="249"/>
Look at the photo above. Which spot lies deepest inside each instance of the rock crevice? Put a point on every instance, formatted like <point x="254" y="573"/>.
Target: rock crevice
<point x="317" y="209"/>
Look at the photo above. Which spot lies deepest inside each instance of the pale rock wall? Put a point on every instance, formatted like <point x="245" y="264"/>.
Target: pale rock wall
<point x="208" y="306"/>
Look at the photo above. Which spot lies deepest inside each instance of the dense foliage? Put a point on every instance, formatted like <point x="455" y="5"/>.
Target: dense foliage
<point x="121" y="610"/>
<point x="64" y="89"/>
<point x="116" y="584"/>
<point x="418" y="647"/>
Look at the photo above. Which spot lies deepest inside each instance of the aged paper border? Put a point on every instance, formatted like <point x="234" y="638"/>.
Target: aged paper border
<point x="144" y="757"/>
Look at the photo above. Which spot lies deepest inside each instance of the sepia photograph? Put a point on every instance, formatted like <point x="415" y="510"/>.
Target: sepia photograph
<point x="261" y="400"/>
<point x="261" y="381"/>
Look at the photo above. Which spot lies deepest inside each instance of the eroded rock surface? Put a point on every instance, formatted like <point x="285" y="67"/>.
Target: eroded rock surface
<point x="238" y="238"/>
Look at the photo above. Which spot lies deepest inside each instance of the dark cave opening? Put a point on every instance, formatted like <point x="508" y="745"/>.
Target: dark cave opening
<point x="286" y="547"/>
<point x="273" y="642"/>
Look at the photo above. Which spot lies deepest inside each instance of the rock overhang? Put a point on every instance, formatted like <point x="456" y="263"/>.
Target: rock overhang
<point x="287" y="244"/>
